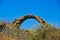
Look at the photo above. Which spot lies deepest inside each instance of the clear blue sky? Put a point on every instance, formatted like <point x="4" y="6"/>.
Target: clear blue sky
<point x="47" y="9"/>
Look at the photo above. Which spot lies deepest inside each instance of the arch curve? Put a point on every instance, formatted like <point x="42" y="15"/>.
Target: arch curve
<point x="19" y="21"/>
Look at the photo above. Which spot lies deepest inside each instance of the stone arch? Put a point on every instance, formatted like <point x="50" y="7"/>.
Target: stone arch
<point x="19" y="21"/>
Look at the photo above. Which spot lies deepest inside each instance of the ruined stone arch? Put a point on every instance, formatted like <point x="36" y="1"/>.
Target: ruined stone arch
<point x="19" y="21"/>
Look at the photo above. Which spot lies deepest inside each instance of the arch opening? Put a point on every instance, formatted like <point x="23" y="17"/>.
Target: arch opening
<point x="29" y="24"/>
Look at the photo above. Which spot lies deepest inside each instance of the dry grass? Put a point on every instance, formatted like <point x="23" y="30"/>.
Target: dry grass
<point x="48" y="33"/>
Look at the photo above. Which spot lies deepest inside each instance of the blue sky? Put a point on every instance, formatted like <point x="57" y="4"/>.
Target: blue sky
<point x="47" y="9"/>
